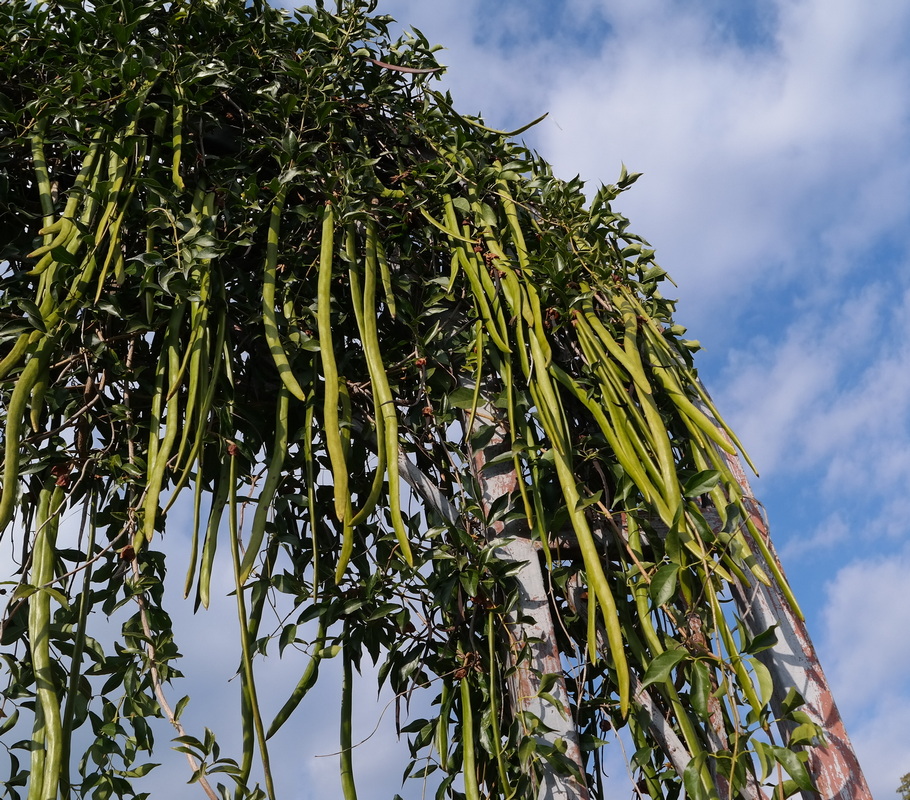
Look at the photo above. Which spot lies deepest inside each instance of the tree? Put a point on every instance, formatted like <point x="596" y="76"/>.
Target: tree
<point x="261" y="257"/>
<point x="904" y="789"/>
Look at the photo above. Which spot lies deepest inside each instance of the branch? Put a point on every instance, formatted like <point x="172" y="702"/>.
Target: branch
<point x="408" y="70"/>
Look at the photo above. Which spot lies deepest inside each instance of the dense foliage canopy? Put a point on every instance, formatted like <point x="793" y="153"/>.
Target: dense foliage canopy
<point x="244" y="253"/>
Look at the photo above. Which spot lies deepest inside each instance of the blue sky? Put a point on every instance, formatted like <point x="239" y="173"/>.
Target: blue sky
<point x="774" y="139"/>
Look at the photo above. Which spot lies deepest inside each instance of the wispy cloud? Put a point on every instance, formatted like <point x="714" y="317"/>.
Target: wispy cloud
<point x="866" y="645"/>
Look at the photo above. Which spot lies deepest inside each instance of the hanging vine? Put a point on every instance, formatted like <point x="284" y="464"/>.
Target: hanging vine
<point x="257" y="256"/>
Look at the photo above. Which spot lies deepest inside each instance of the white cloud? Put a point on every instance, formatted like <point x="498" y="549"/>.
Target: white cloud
<point x="867" y="630"/>
<point x="751" y="157"/>
<point x="881" y="744"/>
<point x="755" y="156"/>
<point x="831" y="531"/>
<point x="832" y="398"/>
<point x="865" y="649"/>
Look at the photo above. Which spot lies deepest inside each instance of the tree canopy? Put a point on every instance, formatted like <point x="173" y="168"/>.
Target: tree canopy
<point x="255" y="259"/>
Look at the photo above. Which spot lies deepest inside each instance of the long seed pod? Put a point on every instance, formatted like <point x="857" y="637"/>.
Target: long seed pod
<point x="177" y="137"/>
<point x="441" y="734"/>
<point x="208" y="385"/>
<point x="366" y="317"/>
<point x="386" y="274"/>
<point x="273" y="478"/>
<point x="694" y="383"/>
<point x="45" y="781"/>
<point x="15" y="416"/>
<point x="306" y="682"/>
<point x="310" y="467"/>
<point x="596" y="577"/>
<point x="220" y="494"/>
<point x="348" y="789"/>
<point x="494" y="705"/>
<point x="39" y="164"/>
<point x="666" y="375"/>
<point x="76" y="195"/>
<point x="160" y="448"/>
<point x="658" y="438"/>
<point x="12" y="359"/>
<point x="621" y="448"/>
<point x="68" y="716"/>
<point x="468" y="757"/>
<point x="269" y="316"/>
<point x="329" y="369"/>
<point x="194" y="543"/>
<point x="250" y="697"/>
<point x="384" y="393"/>
<point x="62" y="231"/>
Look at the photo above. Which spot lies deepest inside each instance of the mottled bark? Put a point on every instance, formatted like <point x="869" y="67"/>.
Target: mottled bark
<point x="530" y="626"/>
<point x="793" y="662"/>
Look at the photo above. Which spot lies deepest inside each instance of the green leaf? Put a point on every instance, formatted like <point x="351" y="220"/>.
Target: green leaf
<point x="793" y="763"/>
<point x="765" y="681"/>
<point x="590" y="500"/>
<point x="673" y="546"/>
<point x="462" y="398"/>
<point x="181" y="704"/>
<point x="527" y="748"/>
<point x="700" y="691"/>
<point x="32" y="314"/>
<point x="792" y="701"/>
<point x="660" y="668"/>
<point x="9" y="722"/>
<point x="695" y="788"/>
<point x="288" y="636"/>
<point x="701" y="483"/>
<point x="548" y="681"/>
<point x="423" y="772"/>
<point x="488" y="215"/>
<point x="462" y="204"/>
<point x="806" y="733"/>
<point x="23" y="590"/>
<point x="140" y="771"/>
<point x="663" y="584"/>
<point x="551" y="700"/>
<point x="469" y="579"/>
<point x="764" y="641"/>
<point x="765" y="757"/>
<point x="383" y="610"/>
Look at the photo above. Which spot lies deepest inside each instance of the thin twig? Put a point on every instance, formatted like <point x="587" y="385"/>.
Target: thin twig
<point x="159" y="692"/>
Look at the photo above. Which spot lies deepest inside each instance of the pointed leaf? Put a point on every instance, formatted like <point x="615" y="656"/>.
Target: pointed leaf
<point x="701" y="483"/>
<point x="663" y="584"/>
<point x="795" y="767"/>
<point x="660" y="668"/>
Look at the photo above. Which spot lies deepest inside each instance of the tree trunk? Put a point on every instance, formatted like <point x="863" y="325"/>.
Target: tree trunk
<point x="531" y="630"/>
<point x="794" y="663"/>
